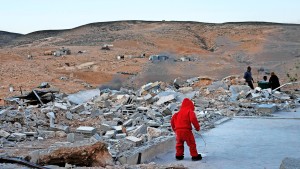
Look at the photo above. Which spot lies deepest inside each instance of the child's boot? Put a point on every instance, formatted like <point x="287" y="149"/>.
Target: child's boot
<point x="179" y="157"/>
<point x="197" y="158"/>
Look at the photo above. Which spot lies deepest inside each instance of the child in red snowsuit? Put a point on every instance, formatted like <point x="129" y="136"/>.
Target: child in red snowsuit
<point x="181" y="125"/>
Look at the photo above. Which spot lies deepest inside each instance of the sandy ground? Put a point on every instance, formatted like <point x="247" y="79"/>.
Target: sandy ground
<point x="235" y="47"/>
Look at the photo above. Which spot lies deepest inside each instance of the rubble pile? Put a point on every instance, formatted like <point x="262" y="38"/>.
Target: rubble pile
<point x="126" y="120"/>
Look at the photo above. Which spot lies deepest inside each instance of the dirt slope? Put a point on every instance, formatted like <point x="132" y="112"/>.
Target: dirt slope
<point x="219" y="50"/>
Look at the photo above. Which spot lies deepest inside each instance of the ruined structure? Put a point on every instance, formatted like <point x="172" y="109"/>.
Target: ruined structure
<point x="111" y="127"/>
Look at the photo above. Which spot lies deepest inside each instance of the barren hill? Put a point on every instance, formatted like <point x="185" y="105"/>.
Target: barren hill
<point x="218" y="50"/>
<point x="6" y="37"/>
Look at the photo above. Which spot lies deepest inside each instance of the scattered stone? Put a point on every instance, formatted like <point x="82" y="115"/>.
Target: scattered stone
<point x="71" y="137"/>
<point x="4" y="134"/>
<point x="60" y="134"/>
<point x="121" y="136"/>
<point x="17" y="137"/>
<point x="266" y="108"/>
<point x="125" y="119"/>
<point x="95" y="138"/>
<point x="86" y="130"/>
<point x="153" y="132"/>
<point x="135" y="140"/>
<point x="83" y="96"/>
<point x="31" y="134"/>
<point x="110" y="134"/>
<point x="77" y="109"/>
<point x="128" y="122"/>
<point x="69" y="115"/>
<point x="105" y="127"/>
<point x="46" y="134"/>
<point x="60" y="127"/>
<point x="60" y="106"/>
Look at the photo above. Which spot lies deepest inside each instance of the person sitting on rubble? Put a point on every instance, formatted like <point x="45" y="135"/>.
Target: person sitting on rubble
<point x="274" y="81"/>
<point x="265" y="80"/>
<point x="264" y="84"/>
<point x="181" y="125"/>
<point x="248" y="77"/>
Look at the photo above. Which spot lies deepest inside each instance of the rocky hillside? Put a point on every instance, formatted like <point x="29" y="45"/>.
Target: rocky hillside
<point x="217" y="51"/>
<point x="149" y="33"/>
<point x="7" y="37"/>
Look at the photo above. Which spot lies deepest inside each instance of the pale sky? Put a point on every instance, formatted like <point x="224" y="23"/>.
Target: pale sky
<point x="25" y="16"/>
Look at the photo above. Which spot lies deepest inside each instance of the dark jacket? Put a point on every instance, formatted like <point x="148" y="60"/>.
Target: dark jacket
<point x="274" y="82"/>
<point x="185" y="117"/>
<point x="248" y="76"/>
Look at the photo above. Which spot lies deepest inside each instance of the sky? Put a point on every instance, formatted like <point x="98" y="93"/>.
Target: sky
<point x="25" y="16"/>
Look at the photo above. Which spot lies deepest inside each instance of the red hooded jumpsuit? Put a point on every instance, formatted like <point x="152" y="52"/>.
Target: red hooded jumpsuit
<point x="181" y="124"/>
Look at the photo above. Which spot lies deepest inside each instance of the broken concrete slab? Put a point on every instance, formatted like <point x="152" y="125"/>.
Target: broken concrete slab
<point x="71" y="137"/>
<point x="17" y="137"/>
<point x="4" y="134"/>
<point x="128" y="122"/>
<point x="77" y="109"/>
<point x="46" y="134"/>
<point x="164" y="99"/>
<point x="57" y="127"/>
<point x="95" y="138"/>
<point x="105" y="127"/>
<point x="185" y="89"/>
<point x="30" y="134"/>
<point x="152" y="123"/>
<point x="142" y="129"/>
<point x="148" y="152"/>
<point x="216" y="85"/>
<point x="236" y="90"/>
<point x="180" y="97"/>
<point x="86" y="130"/>
<point x="51" y="115"/>
<point x="109" y="115"/>
<point x="153" y="132"/>
<point x="266" y="108"/>
<point x="118" y="129"/>
<point x="69" y="115"/>
<point x="83" y="96"/>
<point x="121" y="136"/>
<point x="110" y="134"/>
<point x="60" y="134"/>
<point x="60" y="106"/>
<point x="147" y="97"/>
<point x="135" y="140"/>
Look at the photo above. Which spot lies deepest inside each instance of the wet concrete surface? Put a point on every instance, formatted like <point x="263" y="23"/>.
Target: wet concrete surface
<point x="246" y="143"/>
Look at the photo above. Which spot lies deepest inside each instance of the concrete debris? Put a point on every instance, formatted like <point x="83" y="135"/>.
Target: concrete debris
<point x="60" y="127"/>
<point x="95" y="138"/>
<point x="85" y="129"/>
<point x="4" y="134"/>
<point x="83" y="96"/>
<point x="128" y="121"/>
<point x="266" y="108"/>
<point x="135" y="140"/>
<point x="153" y="132"/>
<point x="17" y="137"/>
<point x="110" y="134"/>
<point x="71" y="137"/>
<point x="60" y="134"/>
